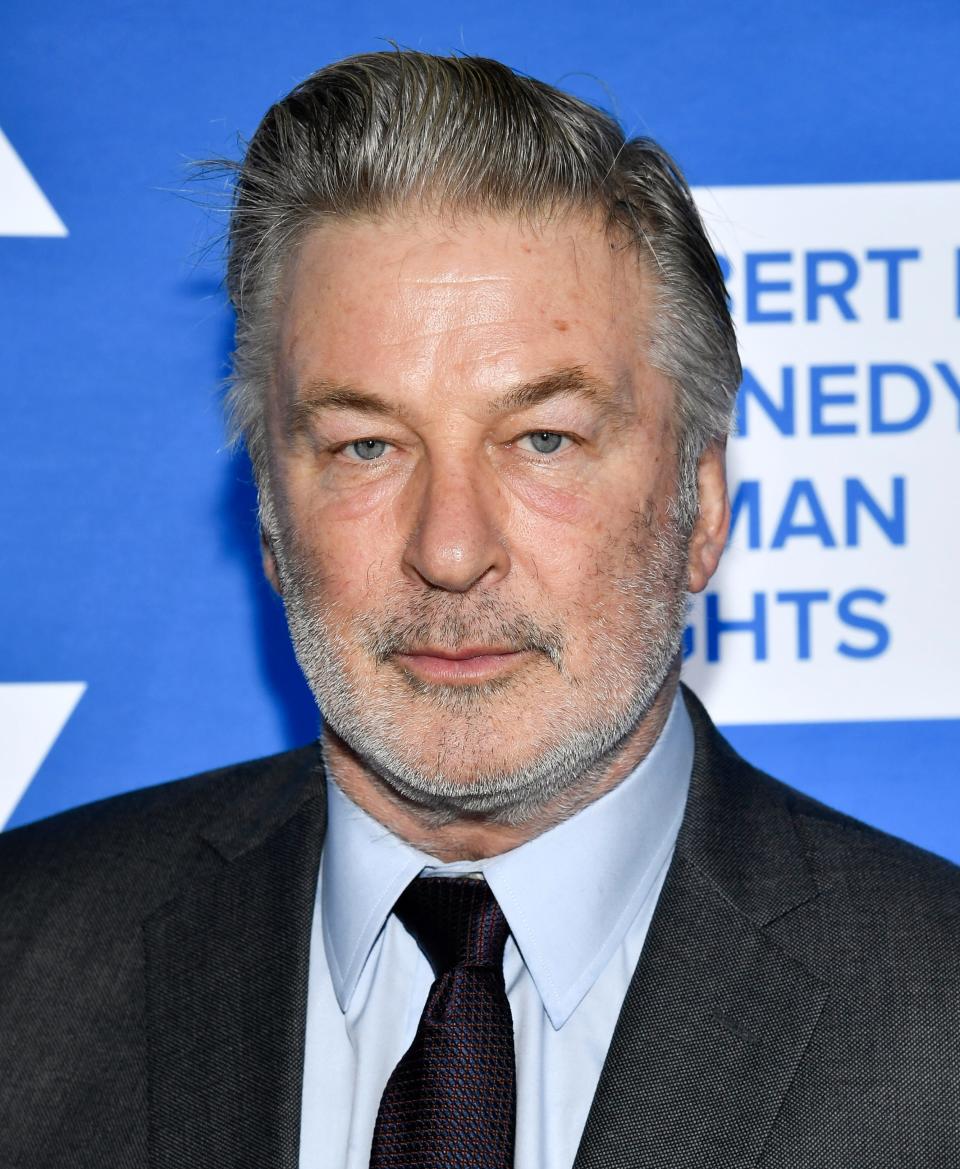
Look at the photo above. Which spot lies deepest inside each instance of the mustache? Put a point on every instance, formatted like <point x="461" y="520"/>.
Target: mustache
<point x="453" y="627"/>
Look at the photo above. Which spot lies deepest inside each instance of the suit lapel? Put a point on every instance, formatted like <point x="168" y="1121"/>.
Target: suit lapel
<point x="716" y="1018"/>
<point x="226" y="966"/>
<point x="718" y="1012"/>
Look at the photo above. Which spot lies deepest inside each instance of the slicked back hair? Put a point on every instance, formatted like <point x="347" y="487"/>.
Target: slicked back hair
<point x="385" y="132"/>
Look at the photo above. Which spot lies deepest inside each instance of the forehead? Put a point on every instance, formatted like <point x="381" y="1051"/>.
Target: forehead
<point x="484" y="298"/>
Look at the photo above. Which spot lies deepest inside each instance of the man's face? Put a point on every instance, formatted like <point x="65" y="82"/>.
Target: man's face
<point x="471" y="469"/>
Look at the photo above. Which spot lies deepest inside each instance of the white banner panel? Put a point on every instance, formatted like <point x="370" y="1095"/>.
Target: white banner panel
<point x="24" y="208"/>
<point x="32" y="715"/>
<point x="837" y="596"/>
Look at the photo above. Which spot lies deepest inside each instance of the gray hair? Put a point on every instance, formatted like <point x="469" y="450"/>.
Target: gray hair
<point x="381" y="132"/>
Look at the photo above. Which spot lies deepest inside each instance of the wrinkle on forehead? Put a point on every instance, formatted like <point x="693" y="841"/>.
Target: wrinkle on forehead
<point x="488" y="300"/>
<point x="454" y="278"/>
<point x="433" y="233"/>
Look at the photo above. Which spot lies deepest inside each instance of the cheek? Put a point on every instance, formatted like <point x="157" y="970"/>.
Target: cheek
<point x="581" y="528"/>
<point x="570" y="567"/>
<point x="586" y="579"/>
<point x="336" y="515"/>
<point x="573" y="502"/>
<point x="544" y="503"/>
<point x="335" y="493"/>
<point x="345" y="559"/>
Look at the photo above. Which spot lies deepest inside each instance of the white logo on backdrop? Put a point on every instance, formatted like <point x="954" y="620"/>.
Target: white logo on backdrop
<point x="837" y="596"/>
<point x="32" y="715"/>
<point x="24" y="208"/>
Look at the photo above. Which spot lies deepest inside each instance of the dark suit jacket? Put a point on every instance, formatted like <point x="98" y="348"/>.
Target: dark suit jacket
<point x="795" y="1006"/>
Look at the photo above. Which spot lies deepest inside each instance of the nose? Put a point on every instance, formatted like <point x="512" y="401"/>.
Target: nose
<point x="456" y="540"/>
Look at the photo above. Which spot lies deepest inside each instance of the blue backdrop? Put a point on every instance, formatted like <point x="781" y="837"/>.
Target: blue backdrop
<point x="129" y="552"/>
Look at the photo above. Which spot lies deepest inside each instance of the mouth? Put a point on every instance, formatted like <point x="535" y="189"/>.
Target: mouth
<point x="460" y="666"/>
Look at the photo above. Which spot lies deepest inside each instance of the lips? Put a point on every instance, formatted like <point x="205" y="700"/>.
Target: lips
<point x="464" y="665"/>
<point x="459" y="655"/>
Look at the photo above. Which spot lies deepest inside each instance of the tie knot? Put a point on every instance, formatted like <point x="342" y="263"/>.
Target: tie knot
<point x="455" y="920"/>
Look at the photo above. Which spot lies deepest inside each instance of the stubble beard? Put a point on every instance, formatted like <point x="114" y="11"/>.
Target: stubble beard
<point x="577" y="737"/>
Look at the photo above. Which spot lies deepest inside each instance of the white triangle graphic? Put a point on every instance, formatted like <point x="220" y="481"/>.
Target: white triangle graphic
<point x="32" y="715"/>
<point x="24" y="208"/>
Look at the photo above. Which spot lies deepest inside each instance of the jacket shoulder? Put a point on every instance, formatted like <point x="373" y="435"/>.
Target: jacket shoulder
<point x="905" y="897"/>
<point x="887" y="884"/>
<point x="870" y="861"/>
<point x="148" y="838"/>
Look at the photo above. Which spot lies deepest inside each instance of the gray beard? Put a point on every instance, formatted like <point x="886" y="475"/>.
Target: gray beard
<point x="580" y="744"/>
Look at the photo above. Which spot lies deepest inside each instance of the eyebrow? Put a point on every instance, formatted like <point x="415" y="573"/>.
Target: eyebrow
<point x="321" y="394"/>
<point x="570" y="381"/>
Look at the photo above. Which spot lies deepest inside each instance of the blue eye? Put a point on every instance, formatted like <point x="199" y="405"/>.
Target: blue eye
<point x="368" y="449"/>
<point x="545" y="442"/>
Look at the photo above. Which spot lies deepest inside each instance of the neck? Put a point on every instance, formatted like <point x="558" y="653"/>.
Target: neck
<point x="475" y="837"/>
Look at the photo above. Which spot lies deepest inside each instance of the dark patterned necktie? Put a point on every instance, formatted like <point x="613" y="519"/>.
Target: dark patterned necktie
<point x="451" y="1101"/>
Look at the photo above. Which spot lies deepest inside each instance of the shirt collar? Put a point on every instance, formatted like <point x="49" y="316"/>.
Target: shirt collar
<point x="569" y="895"/>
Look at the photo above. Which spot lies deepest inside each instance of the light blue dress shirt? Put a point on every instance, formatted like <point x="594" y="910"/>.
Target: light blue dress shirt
<point x="578" y="900"/>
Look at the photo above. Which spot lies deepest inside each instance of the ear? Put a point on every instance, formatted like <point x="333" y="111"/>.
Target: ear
<point x="268" y="556"/>
<point x="709" y="535"/>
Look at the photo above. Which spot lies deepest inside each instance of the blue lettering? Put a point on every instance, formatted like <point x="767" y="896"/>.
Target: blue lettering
<point x="820" y="399"/>
<point x="858" y="498"/>
<point x="782" y="414"/>
<point x="893" y="258"/>
<point x="950" y="378"/>
<point x="880" y="632"/>
<point x="879" y="376"/>
<point x="757" y="625"/>
<point x="802" y="491"/>
<point x="836" y="289"/>
<point x="804" y="601"/>
<point x="756" y="286"/>
<point x="747" y="498"/>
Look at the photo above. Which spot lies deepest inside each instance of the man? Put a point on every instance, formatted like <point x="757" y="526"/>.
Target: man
<point x="522" y="905"/>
